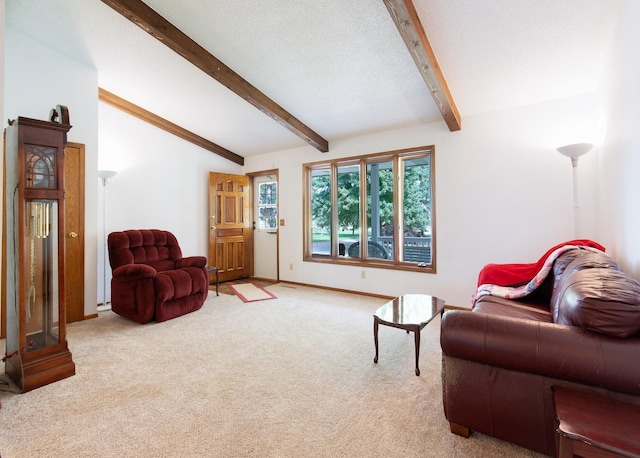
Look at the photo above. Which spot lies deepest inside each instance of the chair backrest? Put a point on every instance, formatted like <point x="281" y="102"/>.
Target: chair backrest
<point x="156" y="248"/>
<point x="374" y="250"/>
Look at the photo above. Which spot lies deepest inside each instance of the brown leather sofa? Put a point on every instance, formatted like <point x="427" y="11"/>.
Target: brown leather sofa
<point x="580" y="329"/>
<point x="151" y="280"/>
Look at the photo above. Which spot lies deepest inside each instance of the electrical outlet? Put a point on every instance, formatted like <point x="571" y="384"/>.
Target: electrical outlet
<point x="291" y="266"/>
<point x="363" y="274"/>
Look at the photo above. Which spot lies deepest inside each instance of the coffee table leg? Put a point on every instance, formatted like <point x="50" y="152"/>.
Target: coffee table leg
<point x="375" y="337"/>
<point x="417" y="339"/>
<point x="215" y="270"/>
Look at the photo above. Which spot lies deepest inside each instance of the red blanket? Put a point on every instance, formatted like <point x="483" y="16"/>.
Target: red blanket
<point x="519" y="274"/>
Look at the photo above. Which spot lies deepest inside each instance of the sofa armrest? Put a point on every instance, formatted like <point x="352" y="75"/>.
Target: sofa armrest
<point x="548" y="349"/>
<point x="191" y="261"/>
<point x="133" y="272"/>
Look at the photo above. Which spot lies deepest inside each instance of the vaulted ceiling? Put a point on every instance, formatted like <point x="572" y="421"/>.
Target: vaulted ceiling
<point x="333" y="68"/>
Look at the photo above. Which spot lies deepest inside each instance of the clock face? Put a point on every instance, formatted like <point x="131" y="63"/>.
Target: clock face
<point x="40" y="166"/>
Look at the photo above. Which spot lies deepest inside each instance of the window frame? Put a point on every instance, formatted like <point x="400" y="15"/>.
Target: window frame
<point x="396" y="157"/>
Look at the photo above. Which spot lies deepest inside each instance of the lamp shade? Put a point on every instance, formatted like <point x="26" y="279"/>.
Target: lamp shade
<point x="106" y="174"/>
<point x="575" y="150"/>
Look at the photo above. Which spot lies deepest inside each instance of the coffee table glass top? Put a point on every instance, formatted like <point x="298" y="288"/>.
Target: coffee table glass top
<point x="411" y="309"/>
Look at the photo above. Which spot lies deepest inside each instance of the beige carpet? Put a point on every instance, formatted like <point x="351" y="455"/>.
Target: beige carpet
<point x="289" y="377"/>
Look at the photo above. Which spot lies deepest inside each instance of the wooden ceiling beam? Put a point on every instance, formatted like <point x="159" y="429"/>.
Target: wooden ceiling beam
<point x="410" y="27"/>
<point x="168" y="126"/>
<point x="161" y="29"/>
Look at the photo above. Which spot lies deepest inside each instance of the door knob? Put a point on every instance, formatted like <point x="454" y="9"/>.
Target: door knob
<point x="73" y="235"/>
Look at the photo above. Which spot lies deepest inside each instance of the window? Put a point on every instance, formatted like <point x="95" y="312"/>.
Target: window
<point x="268" y="205"/>
<point x="374" y="210"/>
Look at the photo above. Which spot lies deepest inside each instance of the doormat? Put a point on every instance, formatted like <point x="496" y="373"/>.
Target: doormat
<point x="250" y="292"/>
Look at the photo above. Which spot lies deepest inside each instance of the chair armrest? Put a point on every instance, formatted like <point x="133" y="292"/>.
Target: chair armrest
<point x="548" y="349"/>
<point x="133" y="272"/>
<point x="191" y="261"/>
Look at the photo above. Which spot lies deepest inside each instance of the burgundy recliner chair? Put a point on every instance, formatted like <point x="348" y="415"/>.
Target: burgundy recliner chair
<point x="151" y="280"/>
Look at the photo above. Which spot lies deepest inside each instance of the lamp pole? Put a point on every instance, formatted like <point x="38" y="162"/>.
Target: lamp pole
<point x="574" y="152"/>
<point x="104" y="175"/>
<point x="574" y="166"/>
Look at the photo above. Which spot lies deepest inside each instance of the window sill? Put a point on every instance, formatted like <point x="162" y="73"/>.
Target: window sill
<point x="374" y="264"/>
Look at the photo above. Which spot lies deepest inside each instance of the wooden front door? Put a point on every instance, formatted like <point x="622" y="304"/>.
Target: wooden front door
<point x="229" y="230"/>
<point x="74" y="231"/>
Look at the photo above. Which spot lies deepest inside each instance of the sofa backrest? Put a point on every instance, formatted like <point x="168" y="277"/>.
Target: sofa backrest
<point x="156" y="248"/>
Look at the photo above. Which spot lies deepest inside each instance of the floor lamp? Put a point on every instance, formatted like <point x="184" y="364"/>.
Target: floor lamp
<point x="105" y="175"/>
<point x="574" y="152"/>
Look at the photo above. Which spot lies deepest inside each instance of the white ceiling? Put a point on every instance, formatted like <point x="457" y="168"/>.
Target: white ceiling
<point x="339" y="66"/>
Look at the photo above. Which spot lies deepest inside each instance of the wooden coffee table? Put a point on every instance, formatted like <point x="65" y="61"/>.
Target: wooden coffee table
<point x="410" y="312"/>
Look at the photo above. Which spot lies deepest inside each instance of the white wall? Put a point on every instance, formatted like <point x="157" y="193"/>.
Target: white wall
<point x="620" y="158"/>
<point x="36" y="80"/>
<point x="2" y="98"/>
<point x="503" y="194"/>
<point x="162" y="182"/>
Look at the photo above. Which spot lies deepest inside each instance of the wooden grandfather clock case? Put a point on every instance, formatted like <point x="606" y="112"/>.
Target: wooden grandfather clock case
<point x="36" y="347"/>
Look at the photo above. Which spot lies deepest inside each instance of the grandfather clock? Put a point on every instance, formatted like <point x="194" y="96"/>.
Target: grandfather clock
<point x="37" y="350"/>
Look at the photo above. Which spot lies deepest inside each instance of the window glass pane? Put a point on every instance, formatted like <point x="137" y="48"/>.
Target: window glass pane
<point x="348" y="207"/>
<point x="416" y="211"/>
<point x="268" y="218"/>
<point x="268" y="205"/>
<point x="321" y="211"/>
<point x="41" y="288"/>
<point x="380" y="210"/>
<point x="268" y="193"/>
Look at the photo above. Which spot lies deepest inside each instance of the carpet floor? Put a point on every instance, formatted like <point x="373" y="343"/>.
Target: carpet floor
<point x="289" y="377"/>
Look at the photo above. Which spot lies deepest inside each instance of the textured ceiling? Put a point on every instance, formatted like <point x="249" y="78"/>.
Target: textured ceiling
<point x="339" y="66"/>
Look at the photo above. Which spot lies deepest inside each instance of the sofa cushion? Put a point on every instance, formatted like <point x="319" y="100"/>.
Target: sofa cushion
<point x="494" y="305"/>
<point x="603" y="300"/>
<point x="571" y="262"/>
